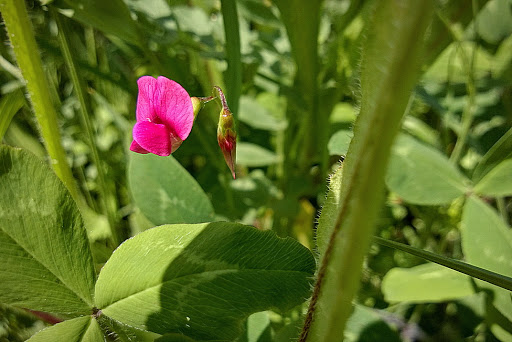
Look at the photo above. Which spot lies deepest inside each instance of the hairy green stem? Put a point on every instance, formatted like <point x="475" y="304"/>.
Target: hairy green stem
<point x="25" y="48"/>
<point x="234" y="57"/>
<point x="390" y="67"/>
<point x="85" y="112"/>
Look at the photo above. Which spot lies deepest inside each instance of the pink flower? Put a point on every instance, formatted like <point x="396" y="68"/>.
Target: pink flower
<point x="164" y="116"/>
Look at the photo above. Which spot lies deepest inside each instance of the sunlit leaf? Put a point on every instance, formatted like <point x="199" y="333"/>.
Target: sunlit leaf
<point x="80" y="329"/>
<point x="202" y="280"/>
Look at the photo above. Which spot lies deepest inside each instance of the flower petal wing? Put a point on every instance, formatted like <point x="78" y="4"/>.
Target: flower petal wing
<point x="174" y="107"/>
<point x="135" y="147"/>
<point x="152" y="137"/>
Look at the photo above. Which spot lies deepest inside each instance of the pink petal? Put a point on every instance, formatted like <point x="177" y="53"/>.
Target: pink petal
<point x="152" y="137"/>
<point x="135" y="147"/>
<point x="173" y="106"/>
<point x="145" y="100"/>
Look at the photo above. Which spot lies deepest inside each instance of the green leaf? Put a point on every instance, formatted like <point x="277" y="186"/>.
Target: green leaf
<point x="253" y="155"/>
<point x="338" y="144"/>
<point x="257" y="116"/>
<point x="10" y="104"/>
<point x="165" y="192"/>
<point x="174" y="338"/>
<point x="494" y="22"/>
<point x="427" y="283"/>
<point x="80" y="329"/>
<point x="111" y="17"/>
<point x="202" y="280"/>
<point x="487" y="242"/>
<point x="498" y="182"/>
<point x="422" y="175"/>
<point x="233" y="53"/>
<point x="259" y="12"/>
<point x="258" y="327"/>
<point x="46" y="260"/>
<point x="367" y="324"/>
<point x="500" y="151"/>
<point x="502" y="67"/>
<point x="420" y="130"/>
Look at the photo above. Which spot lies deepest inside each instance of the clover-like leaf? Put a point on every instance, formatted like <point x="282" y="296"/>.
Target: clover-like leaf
<point x="202" y="280"/>
<point x="46" y="259"/>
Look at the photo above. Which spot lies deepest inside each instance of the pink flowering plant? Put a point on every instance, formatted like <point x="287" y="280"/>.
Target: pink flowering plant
<point x="362" y="189"/>
<point x="165" y="115"/>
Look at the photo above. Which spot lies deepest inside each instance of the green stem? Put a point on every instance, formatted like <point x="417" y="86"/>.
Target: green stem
<point x="234" y="57"/>
<point x="467" y="114"/>
<point x="25" y="48"/>
<point x="502" y="208"/>
<point x="390" y="67"/>
<point x="85" y="111"/>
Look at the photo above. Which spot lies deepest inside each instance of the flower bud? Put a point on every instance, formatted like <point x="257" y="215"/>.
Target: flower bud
<point x="226" y="137"/>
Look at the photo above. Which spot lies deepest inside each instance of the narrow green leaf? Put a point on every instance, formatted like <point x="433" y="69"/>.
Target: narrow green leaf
<point x="422" y="175"/>
<point x="302" y="22"/>
<point x="80" y="329"/>
<point x="421" y="130"/>
<point x="498" y="182"/>
<point x="111" y="17"/>
<point x="487" y="242"/>
<point x="457" y="265"/>
<point x="427" y="283"/>
<point x="253" y="155"/>
<point x="234" y="55"/>
<point x="46" y="260"/>
<point x="10" y="104"/>
<point x="202" y="280"/>
<point x="165" y="192"/>
<point x="24" y="45"/>
<point x="500" y="151"/>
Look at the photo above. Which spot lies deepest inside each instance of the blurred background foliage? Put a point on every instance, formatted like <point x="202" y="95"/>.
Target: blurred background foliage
<point x="292" y="81"/>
